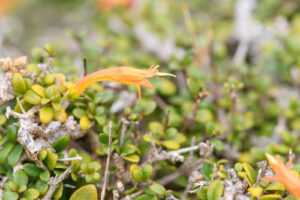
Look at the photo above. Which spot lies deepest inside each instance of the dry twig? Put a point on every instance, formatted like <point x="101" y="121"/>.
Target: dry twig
<point x="54" y="182"/>
<point x="106" y="173"/>
<point x="132" y="196"/>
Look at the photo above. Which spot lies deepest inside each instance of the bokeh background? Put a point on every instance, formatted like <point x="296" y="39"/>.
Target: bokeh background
<point x="243" y="53"/>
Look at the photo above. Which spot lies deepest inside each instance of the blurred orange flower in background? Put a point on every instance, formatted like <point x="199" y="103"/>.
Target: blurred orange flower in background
<point x="6" y="5"/>
<point x="109" y="4"/>
<point x="284" y="174"/>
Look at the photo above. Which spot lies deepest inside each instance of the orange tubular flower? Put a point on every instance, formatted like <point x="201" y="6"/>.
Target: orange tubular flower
<point x="125" y="75"/>
<point x="284" y="174"/>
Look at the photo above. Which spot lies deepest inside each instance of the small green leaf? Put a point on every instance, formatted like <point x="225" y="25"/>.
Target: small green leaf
<point x="8" y="195"/>
<point x="147" y="171"/>
<point x="45" y="175"/>
<point x="156" y="128"/>
<point x="32" y="98"/>
<point x="137" y="175"/>
<point x="147" y="138"/>
<point x="215" y="190"/>
<point x="61" y="143"/>
<point x="57" y="107"/>
<point x="50" y="92"/>
<point x="42" y="186"/>
<point x="49" y="49"/>
<point x="12" y="186"/>
<point x="18" y="83"/>
<point x="51" y="159"/>
<point x="3" y="140"/>
<point x="193" y="86"/>
<point x="59" y="191"/>
<point x="202" y="194"/>
<point x="31" y="194"/>
<point x="39" y="90"/>
<point x="251" y="174"/>
<point x="2" y="120"/>
<point x="5" y="151"/>
<point x="84" y="123"/>
<point x="32" y="170"/>
<point x="255" y="191"/>
<point x="275" y="186"/>
<point x="15" y="155"/>
<point x="145" y="197"/>
<point x="238" y="167"/>
<point x="128" y="149"/>
<point x="133" y="168"/>
<point x="103" y="97"/>
<point x="103" y="138"/>
<point x="78" y="113"/>
<point x="167" y="88"/>
<point x="20" y="177"/>
<point x="46" y="114"/>
<point x="270" y="196"/>
<point x="12" y="133"/>
<point x="218" y="144"/>
<point x="158" y="189"/>
<point x="22" y="188"/>
<point x="85" y="192"/>
<point x="207" y="170"/>
<point x="49" y="79"/>
<point x="96" y="176"/>
<point x="146" y="106"/>
<point x="42" y="154"/>
<point x="132" y="158"/>
<point x="100" y="110"/>
<point x="44" y="101"/>
<point x="33" y="68"/>
<point x="94" y="166"/>
<point x="171" y="144"/>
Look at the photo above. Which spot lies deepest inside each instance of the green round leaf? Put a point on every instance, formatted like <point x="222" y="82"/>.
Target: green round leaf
<point x="147" y="171"/>
<point x="5" y="151"/>
<point x="158" y="189"/>
<point x="31" y="193"/>
<point x="2" y="120"/>
<point x="12" y="133"/>
<point x="18" y="83"/>
<point x="51" y="159"/>
<point x="171" y="144"/>
<point x="137" y="175"/>
<point x="15" y="155"/>
<point x="132" y="158"/>
<point x="61" y="143"/>
<point x="32" y="170"/>
<point x="85" y="192"/>
<point x="42" y="186"/>
<point x="167" y="88"/>
<point x="78" y="113"/>
<point x="32" y="98"/>
<point x="45" y="175"/>
<point x="8" y="195"/>
<point x="20" y="177"/>
<point x="145" y="197"/>
<point x="12" y="186"/>
<point x="103" y="138"/>
<point x="215" y="190"/>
